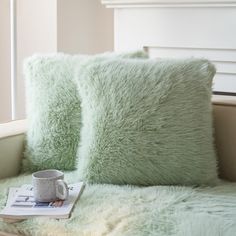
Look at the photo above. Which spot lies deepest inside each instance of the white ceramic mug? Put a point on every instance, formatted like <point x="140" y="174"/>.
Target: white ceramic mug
<point x="48" y="186"/>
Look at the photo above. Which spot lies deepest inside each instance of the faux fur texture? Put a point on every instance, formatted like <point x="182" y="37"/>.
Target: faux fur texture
<point x="53" y="110"/>
<point x="147" y="122"/>
<point x="108" y="210"/>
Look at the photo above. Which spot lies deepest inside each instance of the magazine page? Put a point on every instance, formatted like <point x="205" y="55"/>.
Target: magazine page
<point x="23" y="204"/>
<point x="11" y="195"/>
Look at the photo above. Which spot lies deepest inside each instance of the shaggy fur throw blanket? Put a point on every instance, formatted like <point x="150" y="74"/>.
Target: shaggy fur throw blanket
<point x="140" y="211"/>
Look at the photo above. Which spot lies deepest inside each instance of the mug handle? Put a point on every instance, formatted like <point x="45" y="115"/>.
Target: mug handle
<point x="61" y="185"/>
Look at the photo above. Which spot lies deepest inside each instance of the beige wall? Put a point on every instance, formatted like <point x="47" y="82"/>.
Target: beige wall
<point x="36" y="33"/>
<point x="5" y="96"/>
<point x="44" y="26"/>
<point x="84" y="26"/>
<point x="70" y="26"/>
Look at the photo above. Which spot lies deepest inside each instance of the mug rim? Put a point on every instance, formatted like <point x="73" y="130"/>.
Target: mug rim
<point x="48" y="170"/>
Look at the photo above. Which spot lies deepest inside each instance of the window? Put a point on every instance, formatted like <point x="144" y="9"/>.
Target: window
<point x="26" y="27"/>
<point x="43" y="26"/>
<point x="5" y="61"/>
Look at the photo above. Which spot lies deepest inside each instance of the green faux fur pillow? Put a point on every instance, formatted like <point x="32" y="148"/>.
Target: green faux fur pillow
<point x="147" y="122"/>
<point x="53" y="110"/>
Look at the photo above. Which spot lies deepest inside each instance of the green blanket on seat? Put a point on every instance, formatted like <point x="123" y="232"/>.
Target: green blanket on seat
<point x="134" y="211"/>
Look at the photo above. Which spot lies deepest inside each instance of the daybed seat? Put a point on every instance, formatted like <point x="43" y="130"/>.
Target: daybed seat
<point x="128" y="210"/>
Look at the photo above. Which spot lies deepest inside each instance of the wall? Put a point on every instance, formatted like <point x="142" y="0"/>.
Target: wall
<point x="181" y="28"/>
<point x="36" y="32"/>
<point x="5" y="85"/>
<point x="43" y="26"/>
<point x="84" y="26"/>
<point x="70" y="26"/>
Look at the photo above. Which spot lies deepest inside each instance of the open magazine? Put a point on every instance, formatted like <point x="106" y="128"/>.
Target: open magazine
<point x="21" y="204"/>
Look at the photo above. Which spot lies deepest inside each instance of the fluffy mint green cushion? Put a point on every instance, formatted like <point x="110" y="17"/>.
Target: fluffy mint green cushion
<point x="110" y="210"/>
<point x="53" y="110"/>
<point x="147" y="122"/>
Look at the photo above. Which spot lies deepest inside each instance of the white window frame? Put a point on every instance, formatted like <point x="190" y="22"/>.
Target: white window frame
<point x="13" y="24"/>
